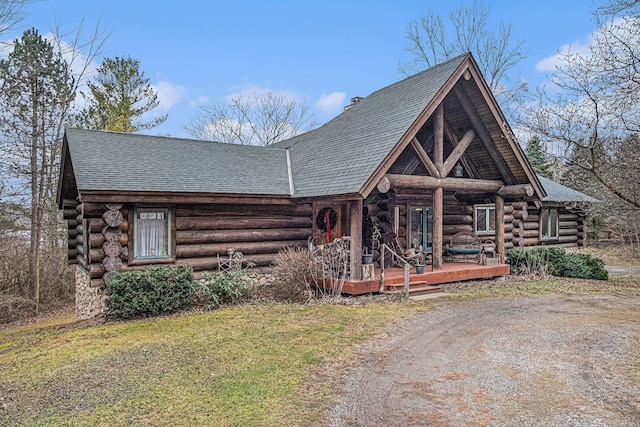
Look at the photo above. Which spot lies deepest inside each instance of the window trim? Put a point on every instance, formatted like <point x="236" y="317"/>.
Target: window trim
<point x="548" y="212"/>
<point x="489" y="207"/>
<point x="171" y="244"/>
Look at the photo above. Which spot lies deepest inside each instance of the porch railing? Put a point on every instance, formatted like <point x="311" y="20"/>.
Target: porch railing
<point x="395" y="257"/>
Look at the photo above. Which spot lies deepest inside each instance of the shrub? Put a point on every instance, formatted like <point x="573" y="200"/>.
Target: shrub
<point x="521" y="262"/>
<point x="584" y="266"/>
<point x="16" y="284"/>
<point x="149" y="292"/>
<point x="228" y="286"/>
<point x="293" y="276"/>
<point x="13" y="307"/>
<point x="556" y="261"/>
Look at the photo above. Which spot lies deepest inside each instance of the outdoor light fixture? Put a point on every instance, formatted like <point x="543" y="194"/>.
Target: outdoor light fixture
<point x="458" y="171"/>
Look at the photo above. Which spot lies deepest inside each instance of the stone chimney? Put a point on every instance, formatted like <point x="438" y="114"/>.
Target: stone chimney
<point x="354" y="101"/>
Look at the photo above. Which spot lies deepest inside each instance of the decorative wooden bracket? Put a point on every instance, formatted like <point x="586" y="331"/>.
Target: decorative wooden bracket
<point x="424" y="158"/>
<point x="457" y="152"/>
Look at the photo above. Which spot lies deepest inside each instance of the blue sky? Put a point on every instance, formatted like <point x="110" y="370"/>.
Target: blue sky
<point x="196" y="52"/>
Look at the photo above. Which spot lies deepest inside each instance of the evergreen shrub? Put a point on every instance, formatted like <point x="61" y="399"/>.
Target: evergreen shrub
<point x="557" y="262"/>
<point x="229" y="286"/>
<point x="149" y="292"/>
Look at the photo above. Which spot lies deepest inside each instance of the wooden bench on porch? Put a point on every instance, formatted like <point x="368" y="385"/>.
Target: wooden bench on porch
<point x="467" y="246"/>
<point x="464" y="246"/>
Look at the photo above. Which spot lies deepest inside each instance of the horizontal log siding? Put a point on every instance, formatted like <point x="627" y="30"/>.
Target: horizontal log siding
<point x="521" y="220"/>
<point x="89" y="214"/>
<point x="70" y="215"/>
<point x="205" y="232"/>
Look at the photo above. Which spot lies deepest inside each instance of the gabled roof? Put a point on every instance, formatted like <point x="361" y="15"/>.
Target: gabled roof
<point x="346" y="156"/>
<point x="341" y="155"/>
<point x="561" y="194"/>
<point x="113" y="161"/>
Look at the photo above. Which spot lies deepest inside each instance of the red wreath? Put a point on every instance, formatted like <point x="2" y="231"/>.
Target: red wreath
<point x="326" y="221"/>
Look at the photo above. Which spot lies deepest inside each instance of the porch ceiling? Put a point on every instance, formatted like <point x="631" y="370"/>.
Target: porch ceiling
<point x="480" y="159"/>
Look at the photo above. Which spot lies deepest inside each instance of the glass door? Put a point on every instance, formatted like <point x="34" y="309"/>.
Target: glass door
<point x="419" y="227"/>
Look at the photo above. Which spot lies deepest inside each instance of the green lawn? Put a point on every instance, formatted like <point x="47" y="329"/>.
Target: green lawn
<point x="253" y="365"/>
<point x="244" y="366"/>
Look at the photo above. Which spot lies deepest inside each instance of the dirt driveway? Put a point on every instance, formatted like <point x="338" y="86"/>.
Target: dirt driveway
<point x="523" y="361"/>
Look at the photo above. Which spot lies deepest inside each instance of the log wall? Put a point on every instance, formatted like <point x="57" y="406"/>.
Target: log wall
<point x="521" y="220"/>
<point x="201" y="233"/>
<point x="70" y="215"/>
<point x="205" y="232"/>
<point x="526" y="227"/>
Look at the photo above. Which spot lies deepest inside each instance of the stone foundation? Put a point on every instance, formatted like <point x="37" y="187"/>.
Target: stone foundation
<point x="89" y="301"/>
<point x="261" y="279"/>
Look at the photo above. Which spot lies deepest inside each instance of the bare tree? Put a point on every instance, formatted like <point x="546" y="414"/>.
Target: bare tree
<point x="611" y="217"/>
<point x="257" y="119"/>
<point x="468" y="30"/>
<point x="613" y="7"/>
<point x="597" y="102"/>
<point x="11" y="13"/>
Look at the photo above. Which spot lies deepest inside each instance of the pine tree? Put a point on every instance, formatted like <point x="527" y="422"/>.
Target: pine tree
<point x="118" y="97"/>
<point x="35" y="96"/>
<point x="539" y="158"/>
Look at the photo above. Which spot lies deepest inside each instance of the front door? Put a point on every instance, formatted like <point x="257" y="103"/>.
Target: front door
<point x="420" y="227"/>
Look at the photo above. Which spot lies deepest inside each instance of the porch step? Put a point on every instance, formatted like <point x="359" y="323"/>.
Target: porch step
<point x="428" y="296"/>
<point x="415" y="288"/>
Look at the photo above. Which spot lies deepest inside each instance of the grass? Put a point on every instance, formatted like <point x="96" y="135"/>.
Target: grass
<point x="242" y="366"/>
<point x="615" y="255"/>
<point x="253" y="365"/>
<point x="535" y="285"/>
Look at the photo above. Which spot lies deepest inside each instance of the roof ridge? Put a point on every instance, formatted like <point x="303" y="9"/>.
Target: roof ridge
<point x="165" y="137"/>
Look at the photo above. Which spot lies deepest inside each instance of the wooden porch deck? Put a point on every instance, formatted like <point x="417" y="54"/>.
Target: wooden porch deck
<point x="426" y="282"/>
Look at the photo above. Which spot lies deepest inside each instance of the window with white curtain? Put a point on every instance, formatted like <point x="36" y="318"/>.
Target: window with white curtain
<point x="152" y="233"/>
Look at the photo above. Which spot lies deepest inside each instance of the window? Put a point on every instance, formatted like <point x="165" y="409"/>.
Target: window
<point x="419" y="227"/>
<point x="549" y="224"/>
<point x="152" y="233"/>
<point x="484" y="219"/>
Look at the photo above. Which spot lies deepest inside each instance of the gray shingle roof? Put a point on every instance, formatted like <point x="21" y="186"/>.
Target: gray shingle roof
<point x="340" y="156"/>
<point x="132" y="162"/>
<point x="560" y="193"/>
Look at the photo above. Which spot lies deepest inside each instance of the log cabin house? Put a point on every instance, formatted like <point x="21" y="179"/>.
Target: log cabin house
<point x="420" y="160"/>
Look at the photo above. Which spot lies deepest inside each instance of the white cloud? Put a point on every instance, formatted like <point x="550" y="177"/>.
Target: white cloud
<point x="553" y="62"/>
<point x="200" y="100"/>
<point x="168" y="94"/>
<point x="332" y="103"/>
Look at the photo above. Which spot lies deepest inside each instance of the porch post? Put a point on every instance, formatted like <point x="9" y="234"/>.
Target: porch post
<point x="438" y="140"/>
<point x="499" y="212"/>
<point x="438" y="193"/>
<point x="437" y="228"/>
<point x="355" y="230"/>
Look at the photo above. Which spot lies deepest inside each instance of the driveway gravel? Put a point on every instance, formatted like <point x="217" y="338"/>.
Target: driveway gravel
<point x="511" y="361"/>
